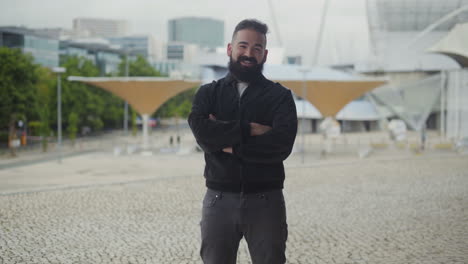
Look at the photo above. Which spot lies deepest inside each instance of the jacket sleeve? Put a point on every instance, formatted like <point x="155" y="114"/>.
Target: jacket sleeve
<point x="275" y="145"/>
<point x="212" y="135"/>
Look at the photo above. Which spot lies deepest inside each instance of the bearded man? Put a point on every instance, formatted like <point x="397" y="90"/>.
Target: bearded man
<point x="246" y="125"/>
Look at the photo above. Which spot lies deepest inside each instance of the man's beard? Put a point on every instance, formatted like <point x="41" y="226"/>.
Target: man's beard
<point x="245" y="74"/>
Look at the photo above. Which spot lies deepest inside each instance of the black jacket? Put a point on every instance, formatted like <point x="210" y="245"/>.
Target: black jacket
<point x="257" y="162"/>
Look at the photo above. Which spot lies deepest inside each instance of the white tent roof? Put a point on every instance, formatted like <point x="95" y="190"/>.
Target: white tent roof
<point x="307" y="110"/>
<point x="359" y="110"/>
<point x="454" y="44"/>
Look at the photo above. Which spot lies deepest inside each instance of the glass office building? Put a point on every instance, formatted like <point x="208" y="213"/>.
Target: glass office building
<point x="137" y="44"/>
<point x="107" y="59"/>
<point x="98" y="27"/>
<point x="175" y="51"/>
<point x="205" y="32"/>
<point x="144" y="45"/>
<point x="44" y="50"/>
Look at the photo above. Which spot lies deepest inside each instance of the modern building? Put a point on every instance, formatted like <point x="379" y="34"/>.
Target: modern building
<point x="98" y="27"/>
<point x="421" y="82"/>
<point x="401" y="31"/>
<point x="56" y="33"/>
<point x="146" y="46"/>
<point x="104" y="56"/>
<point x="45" y="50"/>
<point x="205" y="32"/>
<point x="182" y="52"/>
<point x="166" y="67"/>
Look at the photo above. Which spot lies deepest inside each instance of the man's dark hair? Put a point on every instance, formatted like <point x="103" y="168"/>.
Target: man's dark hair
<point x="253" y="24"/>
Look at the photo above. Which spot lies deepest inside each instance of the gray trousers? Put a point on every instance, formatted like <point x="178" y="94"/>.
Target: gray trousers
<point x="260" y="218"/>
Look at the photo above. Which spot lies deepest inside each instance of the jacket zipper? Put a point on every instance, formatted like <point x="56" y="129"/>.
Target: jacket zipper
<point x="241" y="176"/>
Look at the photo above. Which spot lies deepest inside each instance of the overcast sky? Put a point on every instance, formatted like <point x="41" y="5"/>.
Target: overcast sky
<point x="345" y="38"/>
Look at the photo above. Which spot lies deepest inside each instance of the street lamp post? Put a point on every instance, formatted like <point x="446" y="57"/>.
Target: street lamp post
<point x="125" y="124"/>
<point x="128" y="49"/>
<point x="59" y="70"/>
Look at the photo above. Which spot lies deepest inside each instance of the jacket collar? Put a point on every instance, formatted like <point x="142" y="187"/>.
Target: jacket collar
<point x="231" y="80"/>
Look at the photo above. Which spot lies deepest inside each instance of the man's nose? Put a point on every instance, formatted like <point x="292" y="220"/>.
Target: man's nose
<point x="249" y="52"/>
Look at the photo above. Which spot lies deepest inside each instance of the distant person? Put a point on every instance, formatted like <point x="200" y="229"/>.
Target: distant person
<point x="397" y="130"/>
<point x="331" y="130"/>
<point x="246" y="125"/>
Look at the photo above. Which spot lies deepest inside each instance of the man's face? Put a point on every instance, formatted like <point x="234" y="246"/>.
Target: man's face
<point x="247" y="54"/>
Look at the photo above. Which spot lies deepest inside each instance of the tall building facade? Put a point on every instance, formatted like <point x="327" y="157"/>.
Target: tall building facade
<point x="146" y="46"/>
<point x="104" y="56"/>
<point x="44" y="50"/>
<point x="205" y="32"/>
<point x="96" y="27"/>
<point x="182" y="52"/>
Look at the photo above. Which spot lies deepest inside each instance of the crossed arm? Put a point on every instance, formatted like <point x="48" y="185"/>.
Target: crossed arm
<point x="249" y="141"/>
<point x="256" y="129"/>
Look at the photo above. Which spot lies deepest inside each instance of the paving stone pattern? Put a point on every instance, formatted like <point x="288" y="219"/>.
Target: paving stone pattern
<point x="387" y="211"/>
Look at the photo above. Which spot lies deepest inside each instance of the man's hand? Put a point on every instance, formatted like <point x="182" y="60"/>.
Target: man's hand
<point x="257" y="129"/>
<point x="228" y="150"/>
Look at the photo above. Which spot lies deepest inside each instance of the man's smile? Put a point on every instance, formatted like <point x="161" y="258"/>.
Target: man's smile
<point x="247" y="62"/>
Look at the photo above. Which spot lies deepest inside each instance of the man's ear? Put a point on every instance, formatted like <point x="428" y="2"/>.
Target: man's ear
<point x="229" y="50"/>
<point x="266" y="55"/>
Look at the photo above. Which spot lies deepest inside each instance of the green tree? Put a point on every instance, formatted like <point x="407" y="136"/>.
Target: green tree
<point x="46" y="83"/>
<point x="138" y="67"/>
<point x="134" y="125"/>
<point x="112" y="116"/>
<point x="183" y="110"/>
<point x="18" y="78"/>
<point x="87" y="102"/>
<point x="72" y="128"/>
<point x="179" y="105"/>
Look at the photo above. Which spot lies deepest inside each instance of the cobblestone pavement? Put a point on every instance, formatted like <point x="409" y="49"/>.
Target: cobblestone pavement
<point x="359" y="211"/>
